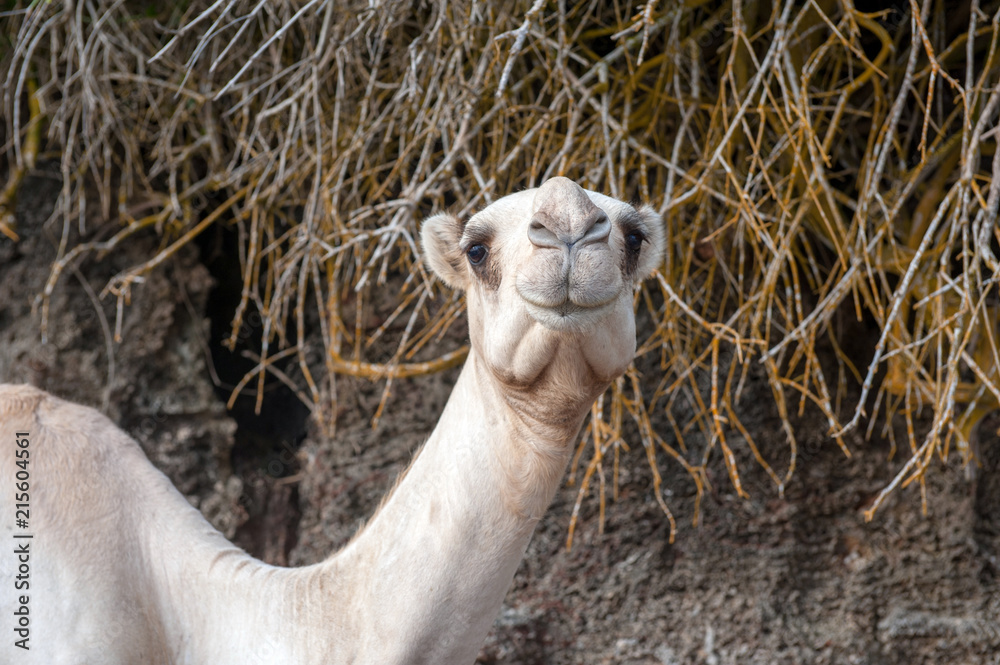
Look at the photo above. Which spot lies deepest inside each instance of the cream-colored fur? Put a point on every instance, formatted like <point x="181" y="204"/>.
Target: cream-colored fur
<point x="125" y="571"/>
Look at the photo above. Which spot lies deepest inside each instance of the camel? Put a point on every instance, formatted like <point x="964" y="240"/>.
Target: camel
<point x="123" y="570"/>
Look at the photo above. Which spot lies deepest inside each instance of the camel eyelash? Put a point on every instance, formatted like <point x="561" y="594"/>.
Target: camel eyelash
<point x="481" y="236"/>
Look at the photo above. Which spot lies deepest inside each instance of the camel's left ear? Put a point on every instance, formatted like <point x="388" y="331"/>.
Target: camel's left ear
<point x="440" y="237"/>
<point x="652" y="250"/>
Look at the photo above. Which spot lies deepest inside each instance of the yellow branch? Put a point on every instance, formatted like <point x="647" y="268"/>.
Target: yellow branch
<point x="364" y="370"/>
<point x="8" y="197"/>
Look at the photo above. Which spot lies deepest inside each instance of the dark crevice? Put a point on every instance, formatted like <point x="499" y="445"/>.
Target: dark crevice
<point x="265" y="449"/>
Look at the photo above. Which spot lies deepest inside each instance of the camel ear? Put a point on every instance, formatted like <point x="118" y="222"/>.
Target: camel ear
<point x="440" y="236"/>
<point x="652" y="252"/>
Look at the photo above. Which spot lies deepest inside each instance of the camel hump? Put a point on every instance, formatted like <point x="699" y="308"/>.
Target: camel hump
<point x="19" y="399"/>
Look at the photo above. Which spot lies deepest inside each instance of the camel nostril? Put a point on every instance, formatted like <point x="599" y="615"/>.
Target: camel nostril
<point x="599" y="230"/>
<point x="541" y="236"/>
<point x="543" y="231"/>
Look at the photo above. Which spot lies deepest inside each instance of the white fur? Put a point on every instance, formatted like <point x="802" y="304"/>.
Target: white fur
<point x="125" y="571"/>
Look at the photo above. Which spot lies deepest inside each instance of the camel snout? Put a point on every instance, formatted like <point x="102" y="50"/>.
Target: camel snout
<point x="563" y="217"/>
<point x="547" y="233"/>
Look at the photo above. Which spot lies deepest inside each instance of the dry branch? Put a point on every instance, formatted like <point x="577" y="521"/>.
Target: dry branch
<point x="815" y="163"/>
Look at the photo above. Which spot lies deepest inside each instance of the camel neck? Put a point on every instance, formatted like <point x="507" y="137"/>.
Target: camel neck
<point x="424" y="581"/>
<point x="431" y="570"/>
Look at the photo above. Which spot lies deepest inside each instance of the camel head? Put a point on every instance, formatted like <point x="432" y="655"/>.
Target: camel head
<point x="549" y="276"/>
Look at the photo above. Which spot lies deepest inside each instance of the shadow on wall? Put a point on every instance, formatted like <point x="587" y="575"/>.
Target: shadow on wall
<point x="266" y="445"/>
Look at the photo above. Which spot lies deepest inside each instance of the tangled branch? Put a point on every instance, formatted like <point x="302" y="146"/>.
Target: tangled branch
<point x="813" y="162"/>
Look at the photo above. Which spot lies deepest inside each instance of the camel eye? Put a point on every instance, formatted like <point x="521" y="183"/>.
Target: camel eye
<point x="477" y="254"/>
<point x="633" y="240"/>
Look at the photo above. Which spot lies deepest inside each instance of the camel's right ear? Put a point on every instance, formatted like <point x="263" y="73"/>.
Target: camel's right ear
<point x="440" y="237"/>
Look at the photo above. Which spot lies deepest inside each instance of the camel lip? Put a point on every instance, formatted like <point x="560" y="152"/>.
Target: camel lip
<point x="558" y="296"/>
<point x="567" y="316"/>
<point x="567" y="306"/>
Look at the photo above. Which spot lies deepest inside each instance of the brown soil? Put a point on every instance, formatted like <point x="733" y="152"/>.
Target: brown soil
<point x="794" y="579"/>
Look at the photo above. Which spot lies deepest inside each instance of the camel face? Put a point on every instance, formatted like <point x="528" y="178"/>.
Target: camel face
<point x="546" y="271"/>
